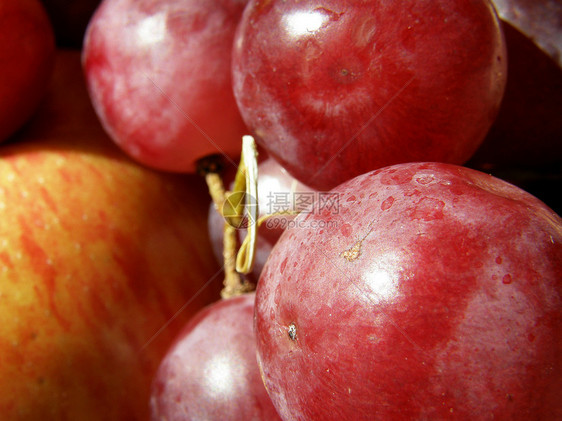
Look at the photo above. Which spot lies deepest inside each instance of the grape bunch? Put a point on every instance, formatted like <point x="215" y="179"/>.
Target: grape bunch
<point x="281" y="210"/>
<point x="423" y="289"/>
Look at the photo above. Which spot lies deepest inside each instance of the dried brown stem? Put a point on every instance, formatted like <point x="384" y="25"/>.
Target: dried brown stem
<point x="233" y="283"/>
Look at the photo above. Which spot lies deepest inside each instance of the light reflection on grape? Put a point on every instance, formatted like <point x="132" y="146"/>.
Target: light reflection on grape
<point x="221" y="376"/>
<point x="383" y="279"/>
<point x="152" y="29"/>
<point x="303" y="23"/>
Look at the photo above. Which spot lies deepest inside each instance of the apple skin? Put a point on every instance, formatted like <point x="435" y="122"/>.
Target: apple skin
<point x="27" y="48"/>
<point x="210" y="373"/>
<point x="158" y="73"/>
<point x="447" y="304"/>
<point x="377" y="83"/>
<point x="102" y="262"/>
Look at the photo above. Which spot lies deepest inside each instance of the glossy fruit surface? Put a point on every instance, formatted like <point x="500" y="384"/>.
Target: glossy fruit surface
<point x="431" y="292"/>
<point x="27" y="48"/>
<point x="158" y="73"/>
<point x="211" y="372"/>
<point x="97" y="257"/>
<point x="333" y="89"/>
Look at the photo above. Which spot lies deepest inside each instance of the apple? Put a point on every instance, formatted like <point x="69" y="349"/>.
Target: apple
<point x="210" y="372"/>
<point x="158" y="73"/>
<point x="27" y="50"/>
<point x="102" y="262"/>
<point x="430" y="292"/>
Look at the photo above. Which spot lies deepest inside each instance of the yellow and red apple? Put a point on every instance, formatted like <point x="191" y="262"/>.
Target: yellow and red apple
<point x="102" y="261"/>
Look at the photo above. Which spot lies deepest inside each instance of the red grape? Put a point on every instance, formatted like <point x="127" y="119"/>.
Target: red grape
<point x="333" y="89"/>
<point x="430" y="292"/>
<point x="158" y="73"/>
<point x="27" y="54"/>
<point x="211" y="373"/>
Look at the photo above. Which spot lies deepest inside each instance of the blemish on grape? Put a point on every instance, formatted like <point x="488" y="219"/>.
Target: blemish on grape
<point x="292" y="332"/>
<point x="353" y="253"/>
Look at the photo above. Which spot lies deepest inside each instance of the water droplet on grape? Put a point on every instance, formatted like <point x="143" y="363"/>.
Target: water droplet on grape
<point x="387" y="204"/>
<point x="283" y="265"/>
<point x="428" y="209"/>
<point x="364" y="31"/>
<point x="392" y="179"/>
<point x="507" y="279"/>
<point x="425" y="179"/>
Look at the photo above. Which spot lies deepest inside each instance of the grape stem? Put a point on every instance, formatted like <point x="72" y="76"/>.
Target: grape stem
<point x="232" y="280"/>
<point x="249" y="167"/>
<point x="241" y="261"/>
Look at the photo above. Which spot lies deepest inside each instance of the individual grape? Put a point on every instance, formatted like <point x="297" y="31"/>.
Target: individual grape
<point x="158" y="73"/>
<point x="430" y="292"/>
<point x="211" y="372"/>
<point x="333" y="89"/>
